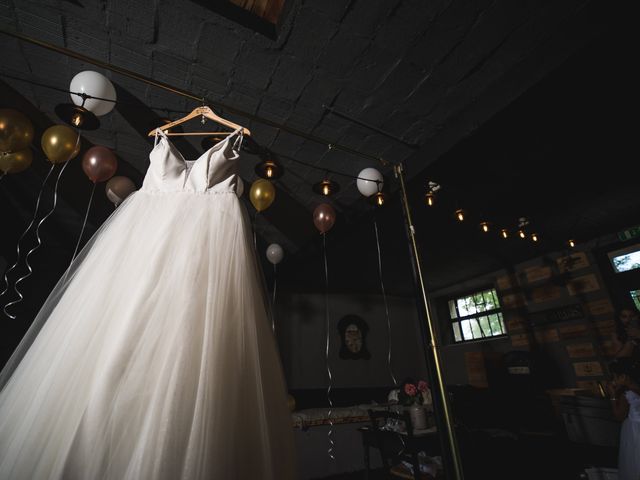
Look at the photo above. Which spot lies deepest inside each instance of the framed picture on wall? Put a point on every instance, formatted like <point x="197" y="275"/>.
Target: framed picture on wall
<point x="353" y="332"/>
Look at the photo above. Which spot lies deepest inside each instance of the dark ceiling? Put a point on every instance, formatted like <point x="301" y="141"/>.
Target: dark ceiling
<point x="431" y="74"/>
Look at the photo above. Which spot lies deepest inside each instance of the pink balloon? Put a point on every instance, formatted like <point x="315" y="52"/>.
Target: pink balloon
<point x="99" y="164"/>
<point x="324" y="216"/>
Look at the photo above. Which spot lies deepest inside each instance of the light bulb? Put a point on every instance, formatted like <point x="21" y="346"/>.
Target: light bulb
<point x="325" y="189"/>
<point x="572" y="243"/>
<point x="484" y="226"/>
<point x="380" y="199"/>
<point x="522" y="234"/>
<point x="77" y="119"/>
<point x="430" y="197"/>
<point x="269" y="171"/>
<point x="460" y="215"/>
<point x="534" y="237"/>
<point x="504" y="233"/>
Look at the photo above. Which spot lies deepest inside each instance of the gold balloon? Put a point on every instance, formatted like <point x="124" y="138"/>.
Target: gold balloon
<point x="15" y="162"/>
<point x="262" y="194"/>
<point x="60" y="143"/>
<point x="16" y="131"/>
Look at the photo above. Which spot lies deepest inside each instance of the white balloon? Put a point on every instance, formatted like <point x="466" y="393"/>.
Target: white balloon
<point x="97" y="85"/>
<point x="367" y="181"/>
<point x="239" y="187"/>
<point x="275" y="254"/>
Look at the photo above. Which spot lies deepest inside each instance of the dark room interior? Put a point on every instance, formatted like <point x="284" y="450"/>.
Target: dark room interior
<point x="429" y="266"/>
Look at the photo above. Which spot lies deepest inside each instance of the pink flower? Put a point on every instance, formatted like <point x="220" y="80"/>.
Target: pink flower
<point x="410" y="389"/>
<point x="422" y="386"/>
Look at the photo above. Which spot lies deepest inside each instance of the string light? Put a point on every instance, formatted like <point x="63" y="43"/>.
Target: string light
<point x="379" y="199"/>
<point x="460" y="215"/>
<point x="534" y="237"/>
<point x="430" y="198"/>
<point x="572" y="243"/>
<point x="326" y="187"/>
<point x="504" y="233"/>
<point x="521" y="234"/>
<point x="269" y="169"/>
<point x="484" y="226"/>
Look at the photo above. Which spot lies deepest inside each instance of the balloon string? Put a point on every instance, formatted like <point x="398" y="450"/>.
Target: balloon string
<point x="84" y="224"/>
<point x="24" y="234"/>
<point x="326" y="309"/>
<point x="273" y="300"/>
<point x="255" y="239"/>
<point x="386" y="304"/>
<point x="39" y="240"/>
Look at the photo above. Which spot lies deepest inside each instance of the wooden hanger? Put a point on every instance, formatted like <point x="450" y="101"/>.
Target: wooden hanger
<point x="203" y="111"/>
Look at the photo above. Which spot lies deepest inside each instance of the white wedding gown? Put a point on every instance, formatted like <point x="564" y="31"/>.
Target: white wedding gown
<point x="154" y="357"/>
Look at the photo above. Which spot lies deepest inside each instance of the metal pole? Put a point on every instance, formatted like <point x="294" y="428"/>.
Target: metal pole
<point x="445" y="426"/>
<point x="187" y="94"/>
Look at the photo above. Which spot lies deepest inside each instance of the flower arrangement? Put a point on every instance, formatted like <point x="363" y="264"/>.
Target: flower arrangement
<point x="414" y="393"/>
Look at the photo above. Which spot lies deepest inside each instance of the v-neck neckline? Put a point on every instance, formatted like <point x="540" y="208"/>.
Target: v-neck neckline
<point x="186" y="162"/>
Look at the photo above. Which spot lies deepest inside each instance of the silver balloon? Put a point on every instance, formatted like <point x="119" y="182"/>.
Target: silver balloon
<point x="119" y="188"/>
<point x="275" y="254"/>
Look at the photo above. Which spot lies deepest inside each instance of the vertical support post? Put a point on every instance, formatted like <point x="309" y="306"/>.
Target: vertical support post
<point x="444" y="419"/>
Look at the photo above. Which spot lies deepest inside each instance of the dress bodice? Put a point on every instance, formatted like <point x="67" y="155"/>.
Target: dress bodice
<point x="213" y="171"/>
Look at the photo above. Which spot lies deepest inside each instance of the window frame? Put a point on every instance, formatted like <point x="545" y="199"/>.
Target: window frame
<point x="458" y="319"/>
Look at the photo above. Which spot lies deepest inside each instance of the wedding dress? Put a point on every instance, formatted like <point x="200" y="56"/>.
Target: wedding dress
<point x="153" y="357"/>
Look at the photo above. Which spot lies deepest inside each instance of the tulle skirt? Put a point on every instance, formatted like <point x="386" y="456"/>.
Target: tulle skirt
<point x="153" y="358"/>
<point x="629" y="455"/>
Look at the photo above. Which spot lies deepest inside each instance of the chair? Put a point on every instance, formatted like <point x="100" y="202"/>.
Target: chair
<point x="395" y="447"/>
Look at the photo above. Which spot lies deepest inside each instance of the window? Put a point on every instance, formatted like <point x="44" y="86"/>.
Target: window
<point x="635" y="296"/>
<point x="476" y="316"/>
<point x="625" y="259"/>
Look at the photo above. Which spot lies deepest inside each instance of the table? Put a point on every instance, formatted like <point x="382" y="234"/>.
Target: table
<point x="426" y="440"/>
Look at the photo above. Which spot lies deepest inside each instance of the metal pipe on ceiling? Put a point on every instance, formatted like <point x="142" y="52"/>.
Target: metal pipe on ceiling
<point x="184" y="93"/>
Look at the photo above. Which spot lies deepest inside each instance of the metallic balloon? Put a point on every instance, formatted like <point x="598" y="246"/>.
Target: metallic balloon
<point x="370" y="181"/>
<point x="16" y="131"/>
<point x="118" y="189"/>
<point x="60" y="143"/>
<point x="15" y="162"/>
<point x="324" y="216"/>
<point x="99" y="164"/>
<point x="262" y="194"/>
<point x="275" y="253"/>
<point x="97" y="85"/>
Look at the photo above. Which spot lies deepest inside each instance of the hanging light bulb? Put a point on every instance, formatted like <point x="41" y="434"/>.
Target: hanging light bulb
<point x="521" y="234"/>
<point x="379" y="199"/>
<point x="484" y="226"/>
<point x="460" y="214"/>
<point x="269" y="169"/>
<point x="77" y="116"/>
<point x="534" y="237"/>
<point x="326" y="187"/>
<point x="504" y="233"/>
<point x="430" y="198"/>
<point x="572" y="243"/>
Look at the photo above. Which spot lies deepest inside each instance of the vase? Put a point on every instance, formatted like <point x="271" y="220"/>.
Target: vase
<point x="418" y="417"/>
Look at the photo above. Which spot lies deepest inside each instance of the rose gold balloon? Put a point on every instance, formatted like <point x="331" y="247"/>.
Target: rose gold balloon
<point x="99" y="164"/>
<point x="324" y="216"/>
